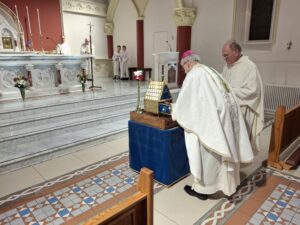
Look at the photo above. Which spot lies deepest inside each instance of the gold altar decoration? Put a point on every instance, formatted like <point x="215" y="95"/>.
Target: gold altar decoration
<point x="157" y="94"/>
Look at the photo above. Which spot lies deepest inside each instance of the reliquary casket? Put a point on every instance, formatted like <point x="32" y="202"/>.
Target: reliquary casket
<point x="157" y="98"/>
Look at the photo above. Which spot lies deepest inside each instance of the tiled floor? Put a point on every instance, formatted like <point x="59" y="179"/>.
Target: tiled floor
<point x="172" y="206"/>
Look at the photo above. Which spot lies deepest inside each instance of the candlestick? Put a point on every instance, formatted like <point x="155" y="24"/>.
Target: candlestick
<point x="18" y="21"/>
<point x="39" y="22"/>
<point x="29" y="27"/>
<point x="17" y="12"/>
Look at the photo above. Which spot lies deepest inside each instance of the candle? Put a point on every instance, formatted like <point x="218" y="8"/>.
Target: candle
<point x="39" y="22"/>
<point x="29" y="27"/>
<point x="18" y="21"/>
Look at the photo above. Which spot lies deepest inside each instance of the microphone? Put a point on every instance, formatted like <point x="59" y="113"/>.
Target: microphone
<point x="55" y="42"/>
<point x="170" y="48"/>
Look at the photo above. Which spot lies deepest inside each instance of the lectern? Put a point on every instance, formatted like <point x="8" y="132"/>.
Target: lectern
<point x="166" y="67"/>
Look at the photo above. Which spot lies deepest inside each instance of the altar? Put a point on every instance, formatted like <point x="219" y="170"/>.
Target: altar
<point x="162" y="151"/>
<point x="47" y="73"/>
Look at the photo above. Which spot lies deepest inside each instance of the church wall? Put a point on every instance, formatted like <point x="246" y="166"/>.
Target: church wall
<point x="49" y="17"/>
<point x="214" y="25"/>
<point x="125" y="29"/>
<point x="281" y="65"/>
<point x="159" y="27"/>
<point x="76" y="29"/>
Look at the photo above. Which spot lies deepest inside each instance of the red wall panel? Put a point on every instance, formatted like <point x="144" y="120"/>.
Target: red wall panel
<point x="49" y="16"/>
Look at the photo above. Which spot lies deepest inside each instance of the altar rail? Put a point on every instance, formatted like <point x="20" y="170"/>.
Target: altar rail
<point x="137" y="209"/>
<point x="284" y="150"/>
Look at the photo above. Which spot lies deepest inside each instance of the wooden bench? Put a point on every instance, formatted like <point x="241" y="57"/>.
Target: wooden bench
<point x="137" y="209"/>
<point x="284" y="150"/>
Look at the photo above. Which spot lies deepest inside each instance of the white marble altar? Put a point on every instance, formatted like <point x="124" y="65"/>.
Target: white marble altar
<point x="49" y="73"/>
<point x="166" y="67"/>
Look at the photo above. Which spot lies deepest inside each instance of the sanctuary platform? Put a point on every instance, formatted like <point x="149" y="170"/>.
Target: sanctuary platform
<point x="48" y="126"/>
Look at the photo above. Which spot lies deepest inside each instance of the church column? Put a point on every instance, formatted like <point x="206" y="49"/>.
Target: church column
<point x="184" y="19"/>
<point x="108" y="29"/>
<point x="140" y="42"/>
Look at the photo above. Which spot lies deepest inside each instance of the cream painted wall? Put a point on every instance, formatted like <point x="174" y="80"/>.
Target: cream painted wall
<point x="280" y="65"/>
<point x="76" y="30"/>
<point x="159" y="27"/>
<point x="212" y="27"/>
<point x="125" y="29"/>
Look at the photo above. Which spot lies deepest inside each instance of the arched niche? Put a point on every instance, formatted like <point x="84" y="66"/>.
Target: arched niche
<point x="11" y="31"/>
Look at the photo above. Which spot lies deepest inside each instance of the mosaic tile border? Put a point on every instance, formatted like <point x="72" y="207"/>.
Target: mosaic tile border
<point x="75" y="197"/>
<point x="61" y="179"/>
<point x="225" y="208"/>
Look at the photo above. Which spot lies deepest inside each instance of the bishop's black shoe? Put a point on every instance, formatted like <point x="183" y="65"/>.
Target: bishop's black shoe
<point x="188" y="189"/>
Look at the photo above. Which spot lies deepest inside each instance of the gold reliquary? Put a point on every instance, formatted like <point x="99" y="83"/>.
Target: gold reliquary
<point x="157" y="98"/>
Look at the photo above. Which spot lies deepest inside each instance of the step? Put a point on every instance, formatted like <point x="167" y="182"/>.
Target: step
<point x="49" y="130"/>
<point x="23" y="155"/>
<point x="12" y="112"/>
<point x="7" y="126"/>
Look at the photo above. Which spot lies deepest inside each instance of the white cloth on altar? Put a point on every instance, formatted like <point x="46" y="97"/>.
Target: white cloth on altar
<point x="245" y="80"/>
<point x="124" y="65"/>
<point x="215" y="132"/>
<point x="117" y="62"/>
<point x="63" y="49"/>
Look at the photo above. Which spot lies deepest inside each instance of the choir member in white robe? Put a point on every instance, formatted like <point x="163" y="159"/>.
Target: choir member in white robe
<point x="63" y="48"/>
<point x="124" y="64"/>
<point x="215" y="133"/>
<point x="87" y="49"/>
<point x="117" y="62"/>
<point x="245" y="80"/>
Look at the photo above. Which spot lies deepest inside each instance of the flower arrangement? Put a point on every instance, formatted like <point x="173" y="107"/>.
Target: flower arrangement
<point x="82" y="79"/>
<point x="21" y="81"/>
<point x="138" y="76"/>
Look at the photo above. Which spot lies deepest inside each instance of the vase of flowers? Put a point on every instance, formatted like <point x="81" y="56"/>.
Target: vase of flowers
<point x="21" y="82"/>
<point x="82" y="79"/>
<point x="138" y="76"/>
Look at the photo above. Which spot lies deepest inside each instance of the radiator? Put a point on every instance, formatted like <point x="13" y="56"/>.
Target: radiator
<point x="277" y="95"/>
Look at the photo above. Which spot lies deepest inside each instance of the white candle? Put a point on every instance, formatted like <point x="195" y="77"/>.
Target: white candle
<point x="29" y="27"/>
<point x="39" y="22"/>
<point x="18" y="21"/>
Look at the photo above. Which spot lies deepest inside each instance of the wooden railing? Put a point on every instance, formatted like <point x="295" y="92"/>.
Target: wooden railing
<point x="137" y="209"/>
<point x="285" y="131"/>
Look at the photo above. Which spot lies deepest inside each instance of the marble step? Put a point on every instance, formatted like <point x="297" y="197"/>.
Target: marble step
<point x="22" y="155"/>
<point x="9" y="127"/>
<point x="16" y="111"/>
<point x="48" y="130"/>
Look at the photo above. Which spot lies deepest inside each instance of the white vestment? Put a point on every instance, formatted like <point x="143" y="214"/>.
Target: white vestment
<point x="124" y="65"/>
<point x="85" y="49"/>
<point x="245" y="80"/>
<point x="63" y="49"/>
<point x="117" y="61"/>
<point x="215" y="132"/>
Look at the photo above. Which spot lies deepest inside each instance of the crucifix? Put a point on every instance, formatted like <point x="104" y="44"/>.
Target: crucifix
<point x="91" y="59"/>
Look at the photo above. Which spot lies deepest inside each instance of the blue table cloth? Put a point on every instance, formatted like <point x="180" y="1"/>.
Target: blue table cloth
<point x="162" y="151"/>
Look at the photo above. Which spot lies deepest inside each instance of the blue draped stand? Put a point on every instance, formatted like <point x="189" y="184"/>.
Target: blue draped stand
<point x="162" y="151"/>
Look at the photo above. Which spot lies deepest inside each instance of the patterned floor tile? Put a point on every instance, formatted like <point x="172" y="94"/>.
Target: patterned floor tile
<point x="86" y="190"/>
<point x="277" y="201"/>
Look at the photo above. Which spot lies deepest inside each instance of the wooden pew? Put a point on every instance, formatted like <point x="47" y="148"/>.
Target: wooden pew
<point x="284" y="137"/>
<point x="137" y="209"/>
